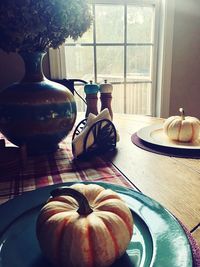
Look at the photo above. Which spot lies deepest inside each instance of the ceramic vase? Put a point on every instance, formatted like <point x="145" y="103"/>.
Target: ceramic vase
<point x="36" y="112"/>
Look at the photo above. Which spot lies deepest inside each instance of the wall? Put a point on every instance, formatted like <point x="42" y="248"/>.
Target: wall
<point x="185" y="77"/>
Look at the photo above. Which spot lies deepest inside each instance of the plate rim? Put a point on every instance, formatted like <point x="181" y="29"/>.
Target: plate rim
<point x="145" y="134"/>
<point x="40" y="195"/>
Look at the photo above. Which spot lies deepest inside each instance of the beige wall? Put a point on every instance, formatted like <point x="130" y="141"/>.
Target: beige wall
<point x="185" y="79"/>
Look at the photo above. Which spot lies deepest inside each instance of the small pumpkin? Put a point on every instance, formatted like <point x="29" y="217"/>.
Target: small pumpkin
<point x="84" y="226"/>
<point x="182" y="128"/>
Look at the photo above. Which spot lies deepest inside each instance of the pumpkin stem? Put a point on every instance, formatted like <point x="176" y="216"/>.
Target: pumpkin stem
<point x="84" y="207"/>
<point x="182" y="113"/>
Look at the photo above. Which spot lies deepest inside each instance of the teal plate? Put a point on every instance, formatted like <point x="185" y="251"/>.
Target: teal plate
<point x="158" y="239"/>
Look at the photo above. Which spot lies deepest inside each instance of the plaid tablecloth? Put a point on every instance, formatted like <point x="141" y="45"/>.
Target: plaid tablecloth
<point x="52" y="168"/>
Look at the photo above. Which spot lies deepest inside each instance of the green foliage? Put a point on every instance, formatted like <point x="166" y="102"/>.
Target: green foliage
<point x="36" y="25"/>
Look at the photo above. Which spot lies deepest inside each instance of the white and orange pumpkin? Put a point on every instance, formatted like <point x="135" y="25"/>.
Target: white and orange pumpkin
<point x="182" y="128"/>
<point x="84" y="226"/>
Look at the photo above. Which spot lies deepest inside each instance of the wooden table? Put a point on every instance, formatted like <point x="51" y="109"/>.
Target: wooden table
<point x="173" y="182"/>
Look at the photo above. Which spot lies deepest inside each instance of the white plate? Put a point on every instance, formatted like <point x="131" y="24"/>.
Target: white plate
<point x="154" y="134"/>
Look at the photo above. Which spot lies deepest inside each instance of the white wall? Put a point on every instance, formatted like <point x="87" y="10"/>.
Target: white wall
<point x="185" y="77"/>
<point x="11" y="68"/>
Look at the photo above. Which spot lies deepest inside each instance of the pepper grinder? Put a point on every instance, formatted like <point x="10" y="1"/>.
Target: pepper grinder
<point x="91" y="89"/>
<point x="106" y="96"/>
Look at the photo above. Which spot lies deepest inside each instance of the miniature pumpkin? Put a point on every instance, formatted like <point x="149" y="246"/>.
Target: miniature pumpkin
<point x="84" y="226"/>
<point x="181" y="128"/>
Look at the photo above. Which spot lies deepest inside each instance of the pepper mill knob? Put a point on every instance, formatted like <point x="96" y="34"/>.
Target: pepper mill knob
<point x="106" y="96"/>
<point x="91" y="90"/>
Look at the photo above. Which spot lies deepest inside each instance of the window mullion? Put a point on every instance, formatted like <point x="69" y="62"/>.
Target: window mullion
<point x="154" y="74"/>
<point x="125" y="55"/>
<point x="95" y="47"/>
<point x="136" y="2"/>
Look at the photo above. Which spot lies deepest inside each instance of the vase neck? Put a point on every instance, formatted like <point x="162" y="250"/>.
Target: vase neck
<point x="33" y="66"/>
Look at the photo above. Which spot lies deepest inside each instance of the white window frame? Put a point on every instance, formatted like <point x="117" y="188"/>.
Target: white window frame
<point x="163" y="42"/>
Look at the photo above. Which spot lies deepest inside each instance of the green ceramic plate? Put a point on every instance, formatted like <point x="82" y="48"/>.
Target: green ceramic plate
<point x="158" y="239"/>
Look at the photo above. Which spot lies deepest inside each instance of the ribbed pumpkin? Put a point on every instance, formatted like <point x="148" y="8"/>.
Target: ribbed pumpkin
<point x="181" y="128"/>
<point x="84" y="226"/>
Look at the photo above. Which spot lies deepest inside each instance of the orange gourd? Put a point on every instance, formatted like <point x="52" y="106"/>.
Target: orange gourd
<point x="84" y="226"/>
<point x="182" y="128"/>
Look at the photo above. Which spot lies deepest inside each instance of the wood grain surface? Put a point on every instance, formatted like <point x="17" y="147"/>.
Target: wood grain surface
<point x="173" y="182"/>
<point x="196" y="235"/>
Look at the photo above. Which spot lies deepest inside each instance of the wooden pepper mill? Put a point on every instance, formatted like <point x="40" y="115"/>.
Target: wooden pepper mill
<point x="106" y="96"/>
<point x="91" y="89"/>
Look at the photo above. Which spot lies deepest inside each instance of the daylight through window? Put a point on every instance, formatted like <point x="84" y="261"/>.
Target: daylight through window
<point x="121" y="48"/>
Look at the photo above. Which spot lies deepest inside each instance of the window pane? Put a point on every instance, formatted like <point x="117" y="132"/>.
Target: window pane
<point x="139" y="62"/>
<point x="80" y="62"/>
<point x="80" y="104"/>
<point x="110" y="63"/>
<point x="87" y="37"/>
<point x="118" y="98"/>
<point x="138" y="98"/>
<point x="109" y="23"/>
<point x="140" y="24"/>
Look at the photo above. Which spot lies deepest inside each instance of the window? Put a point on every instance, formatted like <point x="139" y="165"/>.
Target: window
<point x="121" y="47"/>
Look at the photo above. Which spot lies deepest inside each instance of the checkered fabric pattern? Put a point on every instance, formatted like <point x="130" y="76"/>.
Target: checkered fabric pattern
<point x="53" y="168"/>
